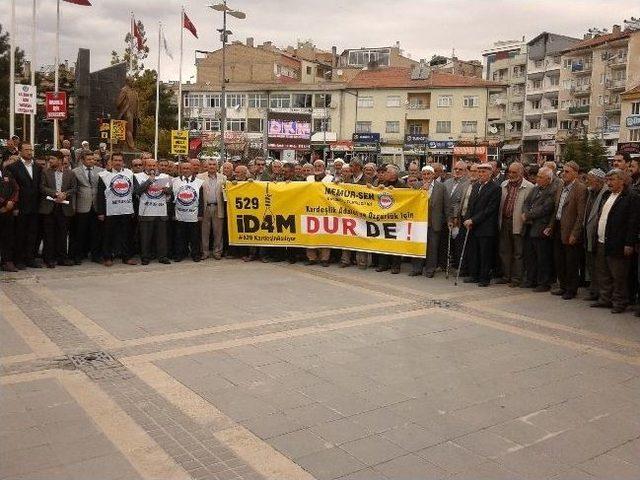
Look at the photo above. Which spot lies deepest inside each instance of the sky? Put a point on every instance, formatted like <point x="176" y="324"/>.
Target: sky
<point x="423" y="27"/>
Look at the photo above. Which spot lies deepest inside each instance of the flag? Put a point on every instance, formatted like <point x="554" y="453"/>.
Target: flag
<point x="85" y="3"/>
<point x="137" y="34"/>
<point x="166" y="46"/>
<point x="186" y="23"/>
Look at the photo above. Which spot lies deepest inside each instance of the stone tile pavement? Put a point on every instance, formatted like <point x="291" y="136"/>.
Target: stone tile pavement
<point x="228" y="370"/>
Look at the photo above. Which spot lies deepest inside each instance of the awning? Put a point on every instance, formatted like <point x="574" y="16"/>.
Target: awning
<point x="511" y="147"/>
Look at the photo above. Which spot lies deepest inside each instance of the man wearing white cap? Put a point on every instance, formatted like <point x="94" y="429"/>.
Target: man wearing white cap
<point x="596" y="189"/>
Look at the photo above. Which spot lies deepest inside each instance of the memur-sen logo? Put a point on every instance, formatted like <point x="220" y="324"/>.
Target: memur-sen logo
<point x="385" y="200"/>
<point x="120" y="185"/>
<point x="186" y="196"/>
<point x="154" y="191"/>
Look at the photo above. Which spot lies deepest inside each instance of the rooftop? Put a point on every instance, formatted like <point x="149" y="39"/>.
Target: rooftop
<point x="399" y="77"/>
<point x="600" y="40"/>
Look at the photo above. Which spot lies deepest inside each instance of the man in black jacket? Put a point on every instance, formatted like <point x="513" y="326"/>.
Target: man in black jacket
<point x="26" y="173"/>
<point x="617" y="234"/>
<point x="482" y="222"/>
<point x="9" y="194"/>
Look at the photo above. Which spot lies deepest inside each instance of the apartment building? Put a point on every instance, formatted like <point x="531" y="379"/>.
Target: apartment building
<point x="506" y="62"/>
<point x="541" y="94"/>
<point x="351" y="61"/>
<point x="595" y="73"/>
<point x="399" y="105"/>
<point x="630" y="121"/>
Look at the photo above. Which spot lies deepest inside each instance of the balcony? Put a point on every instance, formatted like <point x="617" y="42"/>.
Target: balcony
<point x="581" y="68"/>
<point x="617" y="61"/>
<point x="518" y="78"/>
<point x="550" y="110"/>
<point x="417" y="106"/>
<point x="612" y="107"/>
<point x="548" y="131"/>
<point x="532" y="112"/>
<point x="532" y="131"/>
<point x="534" y="67"/>
<point x="581" y="90"/>
<point x="582" y="110"/>
<point x="616" y="85"/>
<point x="535" y="90"/>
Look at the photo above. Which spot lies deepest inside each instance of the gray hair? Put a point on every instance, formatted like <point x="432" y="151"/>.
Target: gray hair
<point x="546" y="171"/>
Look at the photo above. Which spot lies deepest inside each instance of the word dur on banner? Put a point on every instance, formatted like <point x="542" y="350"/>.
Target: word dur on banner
<point x="354" y="217"/>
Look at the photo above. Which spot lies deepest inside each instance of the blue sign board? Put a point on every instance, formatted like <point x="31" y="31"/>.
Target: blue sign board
<point x="416" y="139"/>
<point x="633" y="121"/>
<point x="442" y="145"/>
<point x="366" y="138"/>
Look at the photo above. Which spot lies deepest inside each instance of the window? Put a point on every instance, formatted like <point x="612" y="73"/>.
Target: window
<point x="365" y="102"/>
<point x="212" y="100"/>
<point x="536" y="85"/>
<point x="210" y="125"/>
<point x="445" y="100"/>
<point x="635" y="108"/>
<point x="393" y="101"/>
<point x="255" y="125"/>
<point x="301" y="100"/>
<point x="322" y="100"/>
<point x="235" y="100"/>
<point x="280" y="100"/>
<point x="193" y="100"/>
<point x="565" y="125"/>
<point x="518" y="71"/>
<point x="553" y="103"/>
<point x="361" y="58"/>
<point x="257" y="100"/>
<point x="600" y="100"/>
<point x="308" y="70"/>
<point x="363" y="127"/>
<point x="443" y="126"/>
<point x="415" y="128"/>
<point x="535" y="104"/>
<point x="634" y="135"/>
<point x="322" y="124"/>
<point x="469" y="126"/>
<point x="236" y="125"/>
<point x="392" y="127"/>
<point x="565" y="104"/>
<point x="534" y="125"/>
<point x="554" y="81"/>
<point x="551" y="123"/>
<point x="470" y="102"/>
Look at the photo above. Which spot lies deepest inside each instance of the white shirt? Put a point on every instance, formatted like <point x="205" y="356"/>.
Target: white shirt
<point x="28" y="166"/>
<point x="604" y="216"/>
<point x="563" y="198"/>
<point x="213" y="189"/>
<point x="58" y="177"/>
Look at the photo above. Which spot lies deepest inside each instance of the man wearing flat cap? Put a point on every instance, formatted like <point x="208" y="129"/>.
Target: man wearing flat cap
<point x="596" y="189"/>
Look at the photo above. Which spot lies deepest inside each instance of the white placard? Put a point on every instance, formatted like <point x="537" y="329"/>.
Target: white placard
<point x="26" y="99"/>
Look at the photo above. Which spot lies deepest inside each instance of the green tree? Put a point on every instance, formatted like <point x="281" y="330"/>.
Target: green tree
<point x="5" y="55"/>
<point x="597" y="154"/>
<point x="572" y="150"/>
<point x="134" y="57"/>
<point x="438" y="60"/>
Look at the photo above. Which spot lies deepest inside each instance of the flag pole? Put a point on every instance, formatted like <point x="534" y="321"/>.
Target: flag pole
<point x="57" y="73"/>
<point x="180" y="70"/>
<point x="12" y="72"/>
<point x="32" y="131"/>
<point x="131" y="46"/>
<point x="155" y="141"/>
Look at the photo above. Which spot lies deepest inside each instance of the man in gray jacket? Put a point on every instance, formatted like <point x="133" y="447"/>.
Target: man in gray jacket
<point x="514" y="192"/>
<point x="88" y="233"/>
<point x="596" y="190"/>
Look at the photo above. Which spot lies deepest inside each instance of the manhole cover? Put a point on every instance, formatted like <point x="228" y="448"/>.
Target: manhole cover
<point x="99" y="365"/>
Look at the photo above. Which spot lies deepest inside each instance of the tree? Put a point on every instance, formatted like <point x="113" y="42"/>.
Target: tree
<point x="438" y="60"/>
<point x="597" y="154"/>
<point x="571" y="151"/>
<point x="134" y="57"/>
<point x="5" y="55"/>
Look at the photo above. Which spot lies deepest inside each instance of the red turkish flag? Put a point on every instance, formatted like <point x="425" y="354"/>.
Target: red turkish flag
<point x="186" y="23"/>
<point x="137" y="34"/>
<point x="85" y="3"/>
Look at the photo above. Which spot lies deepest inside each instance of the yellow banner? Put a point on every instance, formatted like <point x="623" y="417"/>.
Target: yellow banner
<point x="118" y="130"/>
<point x="354" y="217"/>
<point x="179" y="142"/>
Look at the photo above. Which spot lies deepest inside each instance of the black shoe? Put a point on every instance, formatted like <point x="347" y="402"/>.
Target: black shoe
<point x="429" y="274"/>
<point x="381" y="269"/>
<point x="568" y="296"/>
<point x="558" y="291"/>
<point x="145" y="261"/>
<point x="601" y="305"/>
<point x="483" y="284"/>
<point x="344" y="265"/>
<point x="324" y="263"/>
<point x="20" y="266"/>
<point x="164" y="260"/>
<point x="470" y="280"/>
<point x="310" y="262"/>
<point x="395" y="270"/>
<point x="34" y="264"/>
<point x="618" y="309"/>
<point x="414" y="274"/>
<point x="49" y="265"/>
<point x="542" y="288"/>
<point x="637" y="313"/>
<point x="77" y="261"/>
<point x="591" y="298"/>
<point x="501" y="281"/>
<point x="67" y="263"/>
<point x="178" y="259"/>
<point x="196" y="258"/>
<point x="527" y="285"/>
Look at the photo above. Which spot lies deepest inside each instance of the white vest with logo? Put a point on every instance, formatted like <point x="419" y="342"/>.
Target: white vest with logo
<point x="118" y="192"/>
<point x="186" y="197"/>
<point x="153" y="201"/>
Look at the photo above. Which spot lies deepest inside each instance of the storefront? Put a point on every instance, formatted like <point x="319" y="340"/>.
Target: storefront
<point x="470" y="153"/>
<point x="392" y="154"/>
<point x="441" y="151"/>
<point x="416" y="149"/>
<point x="510" y="152"/>
<point x="366" y="146"/>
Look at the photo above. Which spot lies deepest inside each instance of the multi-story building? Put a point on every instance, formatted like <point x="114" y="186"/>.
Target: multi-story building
<point x="541" y="94"/>
<point x="506" y="62"/>
<point x="630" y="121"/>
<point x="401" y="105"/>
<point x="595" y="73"/>
<point x="351" y="61"/>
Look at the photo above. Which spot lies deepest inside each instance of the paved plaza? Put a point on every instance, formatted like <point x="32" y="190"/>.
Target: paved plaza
<point x="230" y="370"/>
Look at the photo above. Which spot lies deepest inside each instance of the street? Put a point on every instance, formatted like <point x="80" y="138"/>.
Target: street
<point x="232" y="370"/>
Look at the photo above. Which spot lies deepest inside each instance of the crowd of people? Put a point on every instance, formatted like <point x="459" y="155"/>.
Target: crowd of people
<point x="530" y="227"/>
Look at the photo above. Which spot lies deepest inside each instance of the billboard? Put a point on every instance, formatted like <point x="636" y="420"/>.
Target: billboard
<point x="55" y="105"/>
<point x="289" y="131"/>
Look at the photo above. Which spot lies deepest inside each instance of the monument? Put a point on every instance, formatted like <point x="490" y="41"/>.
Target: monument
<point x="127" y="105"/>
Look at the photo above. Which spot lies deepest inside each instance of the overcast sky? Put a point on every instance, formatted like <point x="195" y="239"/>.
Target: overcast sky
<point x="423" y="27"/>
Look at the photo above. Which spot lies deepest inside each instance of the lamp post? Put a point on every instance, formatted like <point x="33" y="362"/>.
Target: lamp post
<point x="224" y="37"/>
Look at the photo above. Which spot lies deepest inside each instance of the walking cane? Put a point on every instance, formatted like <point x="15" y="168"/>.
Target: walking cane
<point x="464" y="248"/>
<point x="448" y="255"/>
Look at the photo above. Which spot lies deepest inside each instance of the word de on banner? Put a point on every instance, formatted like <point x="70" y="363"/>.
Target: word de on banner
<point x="318" y="215"/>
<point x="118" y="130"/>
<point x="55" y="104"/>
<point x="179" y="142"/>
<point x="25" y="97"/>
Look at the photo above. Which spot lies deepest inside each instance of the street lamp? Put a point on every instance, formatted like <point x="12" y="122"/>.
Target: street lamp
<point x="224" y="37"/>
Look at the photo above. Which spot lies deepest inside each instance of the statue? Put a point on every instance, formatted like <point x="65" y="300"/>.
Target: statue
<point x="127" y="105"/>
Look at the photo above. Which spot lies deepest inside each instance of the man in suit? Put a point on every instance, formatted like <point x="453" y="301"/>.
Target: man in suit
<point x="115" y="209"/>
<point x="390" y="180"/>
<point x="88" y="235"/>
<point x="596" y="190"/>
<point x="514" y="192"/>
<point x="617" y="234"/>
<point x="27" y="174"/>
<point x="567" y="231"/>
<point x="536" y="214"/>
<point x="438" y="207"/>
<point x="482" y="222"/>
<point x="456" y="186"/>
<point x="9" y="194"/>
<point x="57" y="189"/>
<point x="212" y="190"/>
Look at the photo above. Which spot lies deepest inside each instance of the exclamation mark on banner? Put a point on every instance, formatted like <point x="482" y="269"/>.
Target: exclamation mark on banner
<point x="409" y="232"/>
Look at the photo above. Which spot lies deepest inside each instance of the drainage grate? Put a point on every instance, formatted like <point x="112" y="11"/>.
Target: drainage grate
<point x="99" y="365"/>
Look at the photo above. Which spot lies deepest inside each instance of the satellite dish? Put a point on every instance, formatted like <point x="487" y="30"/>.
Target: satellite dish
<point x="493" y="130"/>
<point x="585" y="122"/>
<point x="509" y="126"/>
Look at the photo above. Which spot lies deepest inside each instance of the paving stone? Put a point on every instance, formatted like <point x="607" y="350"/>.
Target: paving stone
<point x="373" y="450"/>
<point x="412" y="437"/>
<point x="273" y="425"/>
<point x="611" y="467"/>
<point x="341" y="431"/>
<point x="329" y="464"/>
<point x="451" y="457"/>
<point x="300" y="443"/>
<point x="486" y="444"/>
<point x="410" y="467"/>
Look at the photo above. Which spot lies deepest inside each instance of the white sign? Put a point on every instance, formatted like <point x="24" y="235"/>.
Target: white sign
<point x="288" y="155"/>
<point x="25" y="99"/>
